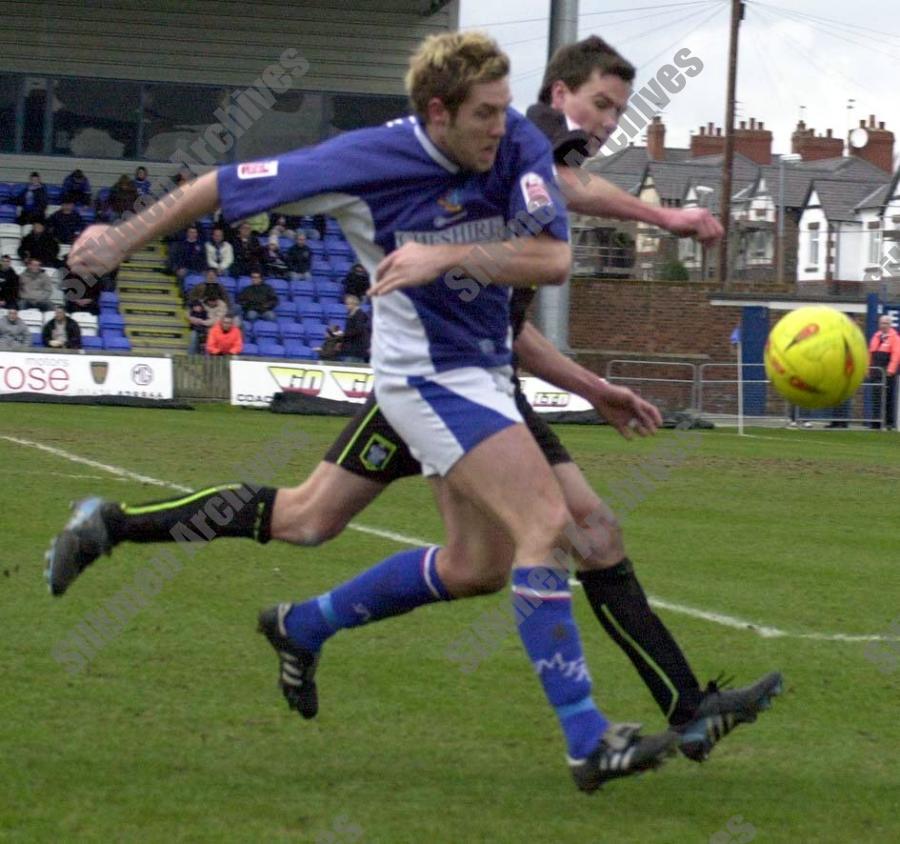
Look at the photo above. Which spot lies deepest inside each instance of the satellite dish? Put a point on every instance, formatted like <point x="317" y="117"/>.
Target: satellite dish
<point x="859" y="137"/>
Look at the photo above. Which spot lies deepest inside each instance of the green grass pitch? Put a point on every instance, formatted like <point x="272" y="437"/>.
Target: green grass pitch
<point x="175" y="731"/>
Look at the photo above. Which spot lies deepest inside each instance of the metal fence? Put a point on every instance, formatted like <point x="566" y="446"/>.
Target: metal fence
<point x="711" y="390"/>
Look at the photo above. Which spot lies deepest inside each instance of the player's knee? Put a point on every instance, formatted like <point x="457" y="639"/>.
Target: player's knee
<point x="596" y="536"/>
<point x="303" y="519"/>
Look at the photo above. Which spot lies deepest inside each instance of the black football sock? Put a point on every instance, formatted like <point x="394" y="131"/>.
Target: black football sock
<point x="621" y="606"/>
<point x="235" y="510"/>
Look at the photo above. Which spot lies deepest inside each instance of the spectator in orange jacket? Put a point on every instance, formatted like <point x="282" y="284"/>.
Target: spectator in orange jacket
<point x="884" y="352"/>
<point x="224" y="338"/>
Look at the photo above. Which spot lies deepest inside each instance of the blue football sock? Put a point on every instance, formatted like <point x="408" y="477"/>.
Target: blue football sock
<point x="543" y="605"/>
<point x="395" y="586"/>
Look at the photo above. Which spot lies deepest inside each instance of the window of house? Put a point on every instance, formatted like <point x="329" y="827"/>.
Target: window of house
<point x="875" y="246"/>
<point x="813" y="247"/>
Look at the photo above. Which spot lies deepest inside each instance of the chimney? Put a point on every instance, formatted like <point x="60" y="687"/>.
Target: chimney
<point x="806" y="143"/>
<point x="656" y="139"/>
<point x="754" y="142"/>
<point x="708" y="142"/>
<point x="879" y="149"/>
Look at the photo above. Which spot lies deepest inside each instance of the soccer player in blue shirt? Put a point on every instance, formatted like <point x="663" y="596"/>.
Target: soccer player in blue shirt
<point x="413" y="197"/>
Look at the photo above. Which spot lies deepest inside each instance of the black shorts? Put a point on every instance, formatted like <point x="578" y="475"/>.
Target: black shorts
<point x="369" y="447"/>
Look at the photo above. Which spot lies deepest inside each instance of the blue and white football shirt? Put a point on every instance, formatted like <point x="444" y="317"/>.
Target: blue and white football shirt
<point x="390" y="184"/>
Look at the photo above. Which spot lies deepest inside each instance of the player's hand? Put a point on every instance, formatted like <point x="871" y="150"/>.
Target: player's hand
<point x="95" y="252"/>
<point x="412" y="265"/>
<point x="626" y="411"/>
<point x="697" y="223"/>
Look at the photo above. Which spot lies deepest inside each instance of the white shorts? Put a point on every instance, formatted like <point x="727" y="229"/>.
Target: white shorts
<point x="443" y="416"/>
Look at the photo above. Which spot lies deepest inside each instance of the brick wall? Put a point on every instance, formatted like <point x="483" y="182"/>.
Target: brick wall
<point x="655" y="317"/>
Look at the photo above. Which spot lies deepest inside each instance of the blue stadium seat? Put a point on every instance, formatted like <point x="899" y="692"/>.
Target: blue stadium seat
<point x="249" y="349"/>
<point x="92" y="343"/>
<point x="285" y="308"/>
<point x="300" y="301"/>
<point x="229" y="283"/>
<point x="87" y="213"/>
<point x="330" y="289"/>
<point x="37" y="339"/>
<point x="111" y="320"/>
<point x="263" y="329"/>
<point x="279" y="285"/>
<point x="296" y="349"/>
<point x="290" y="329"/>
<point x="311" y="311"/>
<point x="303" y="288"/>
<point x="54" y="192"/>
<point x="7" y="213"/>
<point x="270" y="348"/>
<point x="109" y="298"/>
<point x="117" y="344"/>
<point x="243" y="282"/>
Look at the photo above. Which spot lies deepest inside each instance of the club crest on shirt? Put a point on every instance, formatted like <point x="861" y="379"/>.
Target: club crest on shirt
<point x="534" y="191"/>
<point x="257" y="169"/>
<point x="456" y="211"/>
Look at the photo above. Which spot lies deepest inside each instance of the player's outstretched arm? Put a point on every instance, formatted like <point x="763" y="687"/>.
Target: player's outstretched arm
<point x="100" y="249"/>
<point x="588" y="193"/>
<point x="626" y="411"/>
<point x="519" y="262"/>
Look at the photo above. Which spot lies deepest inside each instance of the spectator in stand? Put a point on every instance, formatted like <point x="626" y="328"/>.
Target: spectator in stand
<point x="188" y="256"/>
<point x="62" y="332"/>
<point x="331" y="346"/>
<point x="248" y="254"/>
<point x="258" y="300"/>
<point x="274" y="262"/>
<point x="14" y="334"/>
<point x="66" y="223"/>
<point x="35" y="287"/>
<point x="32" y="200"/>
<point x="216" y="308"/>
<point x="319" y="225"/>
<point x="219" y="254"/>
<point x="259" y="223"/>
<point x="142" y="181"/>
<point x="9" y="284"/>
<point x="279" y="226"/>
<point x="225" y="338"/>
<point x="356" y="282"/>
<point x="77" y="187"/>
<point x="884" y="352"/>
<point x="40" y="244"/>
<point x="209" y="288"/>
<point x="357" y="333"/>
<point x="299" y="258"/>
<point x="81" y="296"/>
<point x="122" y="198"/>
<point x="198" y="317"/>
<point x="182" y="177"/>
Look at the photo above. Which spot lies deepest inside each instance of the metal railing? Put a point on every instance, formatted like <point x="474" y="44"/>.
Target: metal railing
<point x="652" y="381"/>
<point x="711" y="389"/>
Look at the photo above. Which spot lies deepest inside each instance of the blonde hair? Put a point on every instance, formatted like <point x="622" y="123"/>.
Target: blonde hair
<point x="446" y="66"/>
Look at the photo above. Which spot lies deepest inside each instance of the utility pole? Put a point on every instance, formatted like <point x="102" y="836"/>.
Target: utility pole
<point x="737" y="13"/>
<point x="553" y="302"/>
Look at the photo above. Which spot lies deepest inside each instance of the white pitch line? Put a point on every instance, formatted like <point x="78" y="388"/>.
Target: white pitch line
<point x="704" y="615"/>
<point x="94" y="464"/>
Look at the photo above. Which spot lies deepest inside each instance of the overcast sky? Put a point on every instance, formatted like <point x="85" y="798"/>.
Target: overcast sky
<point x="787" y="59"/>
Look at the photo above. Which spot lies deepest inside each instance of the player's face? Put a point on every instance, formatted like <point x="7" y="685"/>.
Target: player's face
<point x="596" y="105"/>
<point x="472" y="136"/>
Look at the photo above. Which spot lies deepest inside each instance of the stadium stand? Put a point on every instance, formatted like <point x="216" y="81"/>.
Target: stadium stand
<point x="145" y="313"/>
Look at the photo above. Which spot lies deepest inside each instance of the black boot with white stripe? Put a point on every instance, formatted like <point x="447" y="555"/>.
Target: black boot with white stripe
<point x="297" y="671"/>
<point x="721" y="710"/>
<point x="622" y="751"/>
